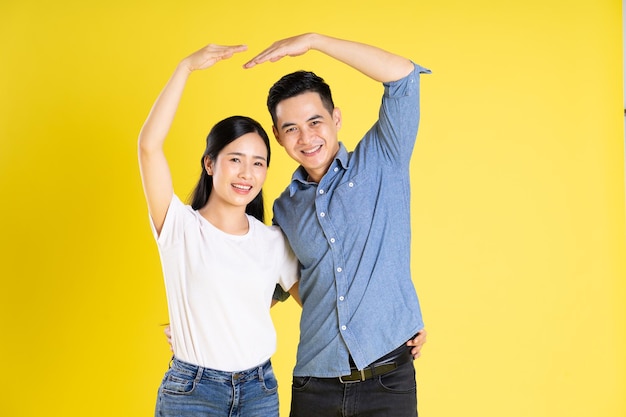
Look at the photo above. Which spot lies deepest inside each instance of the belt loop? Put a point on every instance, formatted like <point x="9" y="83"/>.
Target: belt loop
<point x="362" y="374"/>
<point x="198" y="376"/>
<point x="260" y="373"/>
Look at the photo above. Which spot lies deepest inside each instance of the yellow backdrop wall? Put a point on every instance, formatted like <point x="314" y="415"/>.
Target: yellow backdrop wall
<point x="518" y="192"/>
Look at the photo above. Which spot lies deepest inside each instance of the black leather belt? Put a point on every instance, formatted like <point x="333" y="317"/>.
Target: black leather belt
<point x="385" y="364"/>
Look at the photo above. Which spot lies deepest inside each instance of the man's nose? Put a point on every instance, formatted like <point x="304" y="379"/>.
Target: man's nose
<point x="306" y="134"/>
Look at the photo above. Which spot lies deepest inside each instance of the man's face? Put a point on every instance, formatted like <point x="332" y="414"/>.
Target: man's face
<point x="308" y="132"/>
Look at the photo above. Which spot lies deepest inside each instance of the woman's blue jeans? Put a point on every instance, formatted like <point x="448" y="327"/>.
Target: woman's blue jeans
<point x="192" y="391"/>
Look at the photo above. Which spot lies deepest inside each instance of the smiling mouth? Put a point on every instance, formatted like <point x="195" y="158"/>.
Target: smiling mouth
<point x="242" y="187"/>
<point x="312" y="151"/>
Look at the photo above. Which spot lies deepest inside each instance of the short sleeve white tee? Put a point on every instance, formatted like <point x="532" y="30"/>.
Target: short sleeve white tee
<point x="219" y="288"/>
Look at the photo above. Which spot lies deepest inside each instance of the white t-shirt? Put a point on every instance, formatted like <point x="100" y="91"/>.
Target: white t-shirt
<point x="219" y="288"/>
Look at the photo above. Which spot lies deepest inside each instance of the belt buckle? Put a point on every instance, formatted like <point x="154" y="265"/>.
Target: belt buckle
<point x="354" y="380"/>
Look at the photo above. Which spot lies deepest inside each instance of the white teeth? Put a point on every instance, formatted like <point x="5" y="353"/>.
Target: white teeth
<point x="242" y="187"/>
<point x="312" y="150"/>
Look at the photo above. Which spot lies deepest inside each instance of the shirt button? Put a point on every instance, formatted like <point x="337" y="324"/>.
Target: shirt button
<point x="339" y="269"/>
<point x="343" y="327"/>
<point x="321" y="191"/>
<point x="351" y="184"/>
<point x="336" y="169"/>
<point x="332" y="240"/>
<point x="341" y="298"/>
<point x="322" y="214"/>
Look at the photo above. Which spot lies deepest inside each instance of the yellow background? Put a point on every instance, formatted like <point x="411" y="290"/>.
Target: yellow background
<point x="518" y="192"/>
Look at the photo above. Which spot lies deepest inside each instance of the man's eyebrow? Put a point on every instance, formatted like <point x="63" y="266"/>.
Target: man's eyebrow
<point x="314" y="117"/>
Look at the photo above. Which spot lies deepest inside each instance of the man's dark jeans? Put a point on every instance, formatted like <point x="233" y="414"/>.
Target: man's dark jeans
<point x="393" y="394"/>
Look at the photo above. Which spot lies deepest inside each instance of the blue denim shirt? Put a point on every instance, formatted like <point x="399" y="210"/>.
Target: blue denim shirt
<point x="352" y="235"/>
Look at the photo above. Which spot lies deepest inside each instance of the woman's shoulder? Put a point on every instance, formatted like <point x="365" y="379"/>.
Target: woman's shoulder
<point x="264" y="231"/>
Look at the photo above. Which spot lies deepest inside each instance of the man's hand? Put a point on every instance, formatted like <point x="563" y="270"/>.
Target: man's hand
<point x="417" y="342"/>
<point x="294" y="46"/>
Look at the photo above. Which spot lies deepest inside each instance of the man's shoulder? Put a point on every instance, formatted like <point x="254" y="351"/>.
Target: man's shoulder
<point x="280" y="202"/>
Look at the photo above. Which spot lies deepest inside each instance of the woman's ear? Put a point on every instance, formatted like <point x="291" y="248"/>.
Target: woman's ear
<point x="208" y="165"/>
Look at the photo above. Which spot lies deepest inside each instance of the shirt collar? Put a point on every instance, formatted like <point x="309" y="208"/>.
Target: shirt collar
<point x="299" y="179"/>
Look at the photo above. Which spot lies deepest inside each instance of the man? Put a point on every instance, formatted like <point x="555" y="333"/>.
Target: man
<point x="347" y="218"/>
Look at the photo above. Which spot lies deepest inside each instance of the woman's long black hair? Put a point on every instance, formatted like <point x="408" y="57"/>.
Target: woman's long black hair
<point x="223" y="133"/>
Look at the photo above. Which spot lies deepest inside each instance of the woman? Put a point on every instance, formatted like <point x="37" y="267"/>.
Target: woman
<point x="220" y="262"/>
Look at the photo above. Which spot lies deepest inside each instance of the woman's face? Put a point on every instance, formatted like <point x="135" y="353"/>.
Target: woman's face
<point x="239" y="170"/>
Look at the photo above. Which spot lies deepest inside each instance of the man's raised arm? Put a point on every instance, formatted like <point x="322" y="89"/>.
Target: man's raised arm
<point x="372" y="61"/>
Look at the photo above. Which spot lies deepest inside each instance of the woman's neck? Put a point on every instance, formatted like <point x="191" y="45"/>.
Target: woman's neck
<point x="231" y="220"/>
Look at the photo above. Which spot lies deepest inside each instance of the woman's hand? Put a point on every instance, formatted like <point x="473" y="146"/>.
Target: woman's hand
<point x="209" y="55"/>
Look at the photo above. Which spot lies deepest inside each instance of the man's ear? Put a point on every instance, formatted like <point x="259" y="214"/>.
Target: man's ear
<point x="276" y="135"/>
<point x="337" y="117"/>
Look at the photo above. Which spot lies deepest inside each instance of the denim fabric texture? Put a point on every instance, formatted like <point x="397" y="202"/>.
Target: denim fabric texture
<point x="192" y="391"/>
<point x="393" y="394"/>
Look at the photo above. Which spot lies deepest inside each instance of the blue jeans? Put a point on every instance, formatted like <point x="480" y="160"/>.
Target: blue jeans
<point x="393" y="394"/>
<point x="192" y="391"/>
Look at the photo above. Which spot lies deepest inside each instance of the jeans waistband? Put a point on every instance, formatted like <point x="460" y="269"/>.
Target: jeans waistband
<point x="199" y="372"/>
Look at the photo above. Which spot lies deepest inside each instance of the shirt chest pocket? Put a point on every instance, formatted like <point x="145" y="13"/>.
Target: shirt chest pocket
<point x="353" y="201"/>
